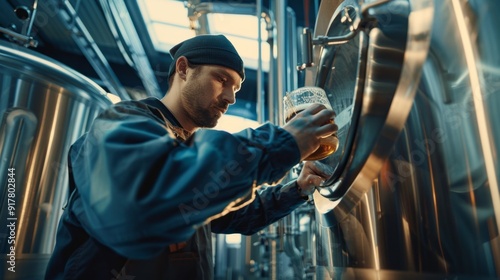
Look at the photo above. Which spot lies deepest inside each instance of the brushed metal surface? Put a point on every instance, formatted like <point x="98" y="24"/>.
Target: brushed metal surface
<point x="428" y="206"/>
<point x="44" y="107"/>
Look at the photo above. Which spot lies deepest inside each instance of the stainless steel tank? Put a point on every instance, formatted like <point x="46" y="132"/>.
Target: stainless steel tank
<point x="44" y="107"/>
<point x="415" y="193"/>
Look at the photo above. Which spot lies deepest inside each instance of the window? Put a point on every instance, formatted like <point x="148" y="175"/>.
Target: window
<point x="168" y="24"/>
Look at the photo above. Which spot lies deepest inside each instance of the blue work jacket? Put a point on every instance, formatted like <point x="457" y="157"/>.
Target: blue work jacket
<point x="145" y="198"/>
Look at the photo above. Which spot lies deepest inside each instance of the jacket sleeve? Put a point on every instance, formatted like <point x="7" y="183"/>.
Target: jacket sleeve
<point x="271" y="204"/>
<point x="142" y="189"/>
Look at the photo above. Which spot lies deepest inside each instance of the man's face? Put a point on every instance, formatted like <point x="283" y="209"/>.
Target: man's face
<point x="208" y="92"/>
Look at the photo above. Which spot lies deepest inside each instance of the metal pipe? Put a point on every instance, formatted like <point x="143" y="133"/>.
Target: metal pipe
<point x="306" y="48"/>
<point x="273" y="250"/>
<point x="272" y="79"/>
<point x="108" y="15"/>
<point x="310" y="252"/>
<point x="290" y="247"/>
<point x="89" y="48"/>
<point x="197" y="10"/>
<point x="280" y="8"/>
<point x="260" y="106"/>
<point x="337" y="40"/>
<point x="316" y="8"/>
<point x="290" y="223"/>
<point x="117" y="15"/>
<point x="308" y="42"/>
<point x="25" y="40"/>
<point x="32" y="19"/>
<point x="292" y="81"/>
<point x="194" y="16"/>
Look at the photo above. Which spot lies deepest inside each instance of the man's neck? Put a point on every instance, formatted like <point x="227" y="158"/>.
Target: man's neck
<point x="171" y="102"/>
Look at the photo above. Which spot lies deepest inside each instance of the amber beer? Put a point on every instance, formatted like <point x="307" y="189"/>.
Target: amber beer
<point x="328" y="145"/>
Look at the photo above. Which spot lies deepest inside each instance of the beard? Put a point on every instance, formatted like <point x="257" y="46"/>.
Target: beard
<point x="202" y="116"/>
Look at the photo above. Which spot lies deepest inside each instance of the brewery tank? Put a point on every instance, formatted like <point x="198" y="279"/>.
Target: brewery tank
<point x="44" y="107"/>
<point x="415" y="196"/>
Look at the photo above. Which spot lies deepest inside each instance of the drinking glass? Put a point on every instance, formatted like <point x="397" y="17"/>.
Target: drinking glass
<point x="299" y="99"/>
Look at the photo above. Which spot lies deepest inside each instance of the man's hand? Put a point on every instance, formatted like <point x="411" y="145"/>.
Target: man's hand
<point x="313" y="175"/>
<point x="308" y="126"/>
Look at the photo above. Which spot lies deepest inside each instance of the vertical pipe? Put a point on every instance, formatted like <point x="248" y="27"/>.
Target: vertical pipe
<point x="273" y="250"/>
<point x="272" y="77"/>
<point x="316" y="8"/>
<point x="197" y="10"/>
<point x="32" y="19"/>
<point x="203" y="26"/>
<point x="291" y="38"/>
<point x="220" y="260"/>
<point x="260" y="106"/>
<point x="291" y="229"/>
<point x="280" y="16"/>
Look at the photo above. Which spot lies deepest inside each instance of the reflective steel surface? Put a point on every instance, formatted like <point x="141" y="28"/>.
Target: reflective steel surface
<point x="433" y="210"/>
<point x="371" y="82"/>
<point x="44" y="107"/>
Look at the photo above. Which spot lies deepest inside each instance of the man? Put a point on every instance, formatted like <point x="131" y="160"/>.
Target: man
<point x="147" y="188"/>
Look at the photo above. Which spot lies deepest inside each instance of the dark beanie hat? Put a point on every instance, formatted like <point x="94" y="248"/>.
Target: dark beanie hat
<point x="208" y="49"/>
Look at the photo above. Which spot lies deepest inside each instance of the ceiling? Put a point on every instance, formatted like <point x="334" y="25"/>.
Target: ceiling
<point x="58" y="24"/>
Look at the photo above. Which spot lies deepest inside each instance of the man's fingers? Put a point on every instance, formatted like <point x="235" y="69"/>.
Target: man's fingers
<point x="310" y="126"/>
<point x="314" y="108"/>
<point x="318" y="168"/>
<point x="315" y="181"/>
<point x="321" y="169"/>
<point x="327" y="130"/>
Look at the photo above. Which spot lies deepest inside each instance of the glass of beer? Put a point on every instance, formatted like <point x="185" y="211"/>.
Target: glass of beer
<point x="299" y="99"/>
